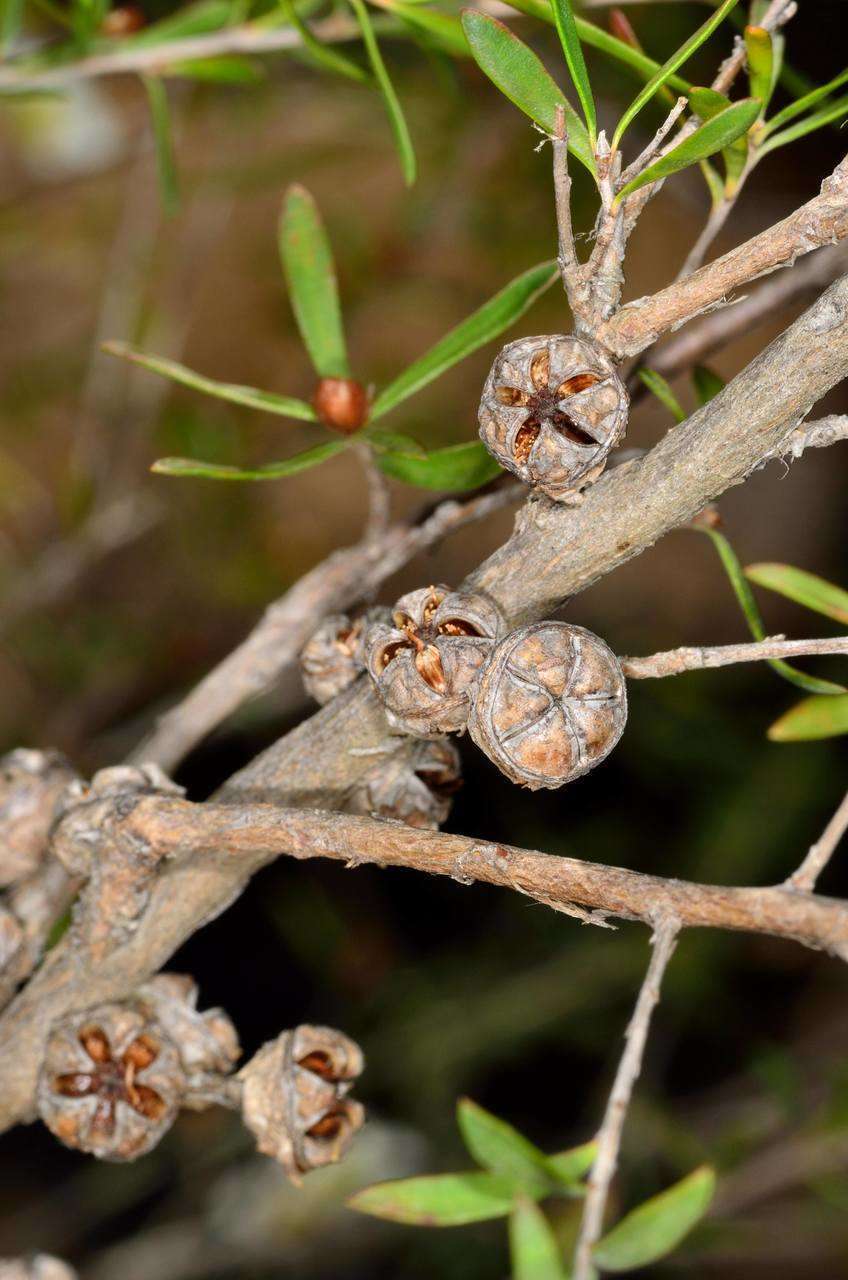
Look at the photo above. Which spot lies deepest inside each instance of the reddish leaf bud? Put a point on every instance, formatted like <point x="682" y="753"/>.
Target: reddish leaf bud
<point x="341" y="404"/>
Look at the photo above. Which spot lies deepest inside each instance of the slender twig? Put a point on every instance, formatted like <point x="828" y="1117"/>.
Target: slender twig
<point x="663" y="943"/>
<point x="569" y="264"/>
<point x="814" y="435"/>
<point x="676" y="661"/>
<point x="821" y="852"/>
<point x="822" y="220"/>
<point x="717" y="329"/>
<point x="379" y="498"/>
<point x="653" y="148"/>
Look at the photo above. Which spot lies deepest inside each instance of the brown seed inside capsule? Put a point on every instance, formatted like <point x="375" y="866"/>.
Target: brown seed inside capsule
<point x="511" y="396"/>
<point x="341" y="403"/>
<point x="540" y="369"/>
<point x="329" y="1126"/>
<point x="580" y="382"/>
<point x="525" y="438"/>
<point x="318" y="1062"/>
<point x="429" y="666"/>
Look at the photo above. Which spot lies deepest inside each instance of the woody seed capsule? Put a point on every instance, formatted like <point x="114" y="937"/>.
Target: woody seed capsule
<point x="551" y="703"/>
<point x="552" y="409"/>
<point x="426" y="662"/>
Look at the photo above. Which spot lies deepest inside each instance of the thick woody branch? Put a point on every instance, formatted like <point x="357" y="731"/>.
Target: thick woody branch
<point x="821" y="221"/>
<point x="204" y="855"/>
<point x="718" y="329"/>
<point x="676" y="661"/>
<point x="663" y="942"/>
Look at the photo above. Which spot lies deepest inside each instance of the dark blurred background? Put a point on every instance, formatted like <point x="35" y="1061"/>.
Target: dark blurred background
<point x="119" y="590"/>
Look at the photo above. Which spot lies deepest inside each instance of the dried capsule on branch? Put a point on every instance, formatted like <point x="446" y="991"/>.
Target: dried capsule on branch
<point x="551" y="703"/>
<point x="425" y="663"/>
<point x="551" y="411"/>
<point x="415" y="786"/>
<point x="111" y="1082"/>
<point x="294" y="1097"/>
<point x="207" y="1041"/>
<point x="335" y="654"/>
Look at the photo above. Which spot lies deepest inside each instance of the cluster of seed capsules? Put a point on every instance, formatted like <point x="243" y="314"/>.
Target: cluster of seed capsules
<point x="545" y="702"/>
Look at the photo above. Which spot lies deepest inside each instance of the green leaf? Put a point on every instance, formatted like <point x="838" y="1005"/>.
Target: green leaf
<point x="440" y="1200"/>
<point x="573" y="50"/>
<point x="484" y="324"/>
<point x="658" y="386"/>
<point x="676" y="60"/>
<point x="569" y="1167"/>
<point x="228" y="69"/>
<point x="707" y="103"/>
<point x="533" y="1248"/>
<point x="748" y="604"/>
<point x="657" y="1226"/>
<point x="501" y="1149"/>
<point x="760" y="52"/>
<point x="707" y="383"/>
<point x="392" y="442"/>
<point x="715" y="185"/>
<point x="163" y="143"/>
<point x="802" y="587"/>
<point x="811" y="719"/>
<point x="271" y="471"/>
<point x="454" y="469"/>
<point x="805" y="102"/>
<point x="831" y="112"/>
<point x="194" y="20"/>
<point x="394" y="110"/>
<point x="712" y="136"/>
<point x="311" y="277"/>
<point x="10" y="23"/>
<point x="251" y="397"/>
<point x="323" y="54"/>
<point x="519" y="74"/>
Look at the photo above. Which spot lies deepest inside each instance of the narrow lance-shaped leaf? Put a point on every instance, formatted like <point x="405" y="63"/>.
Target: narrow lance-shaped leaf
<point x="519" y="74"/>
<point x="270" y="471"/>
<point x="658" y="386"/>
<point x="486" y="323"/>
<point x="656" y="1228"/>
<point x="706" y="102"/>
<point x="501" y="1149"/>
<point x="669" y="66"/>
<point x="250" y="397"/>
<point x="394" y="110"/>
<point x="748" y="605"/>
<point x="192" y="20"/>
<point x="160" y="117"/>
<point x="569" y="1167"/>
<point x="440" y="1200"/>
<point x="805" y="102"/>
<point x="534" y="1252"/>
<point x="811" y="720"/>
<point x="323" y="54"/>
<point x="830" y="113"/>
<point x="804" y="588"/>
<point x="715" y="135"/>
<point x="758" y="47"/>
<point x="573" y="50"/>
<point x="454" y="469"/>
<point x="311" y="277"/>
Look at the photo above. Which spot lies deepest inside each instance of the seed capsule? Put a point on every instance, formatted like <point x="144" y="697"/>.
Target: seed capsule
<point x="111" y="1082"/>
<point x="335" y="655"/>
<point x="294" y="1098"/>
<point x="551" y="411"/>
<point x="550" y="704"/>
<point x="426" y="662"/>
